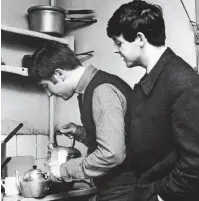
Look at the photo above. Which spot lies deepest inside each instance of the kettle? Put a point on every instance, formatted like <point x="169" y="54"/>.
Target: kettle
<point x="34" y="184"/>
<point x="60" y="154"/>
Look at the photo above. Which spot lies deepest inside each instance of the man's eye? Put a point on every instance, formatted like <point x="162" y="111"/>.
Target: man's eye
<point x="44" y="86"/>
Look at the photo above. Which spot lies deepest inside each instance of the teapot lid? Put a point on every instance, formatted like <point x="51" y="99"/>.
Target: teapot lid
<point x="34" y="169"/>
<point x="34" y="174"/>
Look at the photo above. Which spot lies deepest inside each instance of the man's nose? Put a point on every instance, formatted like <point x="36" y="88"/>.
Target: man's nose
<point x="116" y="49"/>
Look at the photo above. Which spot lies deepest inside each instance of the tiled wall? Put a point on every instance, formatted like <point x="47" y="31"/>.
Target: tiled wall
<point x="28" y="145"/>
<point x="36" y="146"/>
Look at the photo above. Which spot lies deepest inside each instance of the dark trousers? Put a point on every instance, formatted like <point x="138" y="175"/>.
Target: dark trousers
<point x="117" y="193"/>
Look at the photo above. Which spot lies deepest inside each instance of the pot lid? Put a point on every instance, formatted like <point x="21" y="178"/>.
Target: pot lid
<point x="34" y="174"/>
<point x="42" y="7"/>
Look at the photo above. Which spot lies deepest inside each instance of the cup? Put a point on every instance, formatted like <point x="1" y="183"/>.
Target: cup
<point x="10" y="185"/>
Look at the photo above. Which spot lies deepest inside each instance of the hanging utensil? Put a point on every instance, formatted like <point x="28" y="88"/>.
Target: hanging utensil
<point x="12" y="133"/>
<point x="89" y="53"/>
<point x="5" y="162"/>
<point x="3" y="143"/>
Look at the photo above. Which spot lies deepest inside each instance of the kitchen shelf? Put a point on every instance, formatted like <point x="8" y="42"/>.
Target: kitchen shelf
<point x="66" y="40"/>
<point x="15" y="70"/>
<point x="69" y="40"/>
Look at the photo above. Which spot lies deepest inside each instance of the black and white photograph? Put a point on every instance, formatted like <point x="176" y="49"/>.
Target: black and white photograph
<point x="99" y="100"/>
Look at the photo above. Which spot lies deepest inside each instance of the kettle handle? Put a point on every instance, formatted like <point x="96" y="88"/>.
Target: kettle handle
<point x="57" y="132"/>
<point x="55" y="139"/>
<point x="3" y="182"/>
<point x="73" y="143"/>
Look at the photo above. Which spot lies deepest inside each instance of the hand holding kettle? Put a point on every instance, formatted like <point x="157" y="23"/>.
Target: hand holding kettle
<point x="54" y="172"/>
<point x="72" y="130"/>
<point x="57" y="155"/>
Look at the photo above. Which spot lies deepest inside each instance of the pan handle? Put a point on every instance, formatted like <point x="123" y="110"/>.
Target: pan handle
<point x="5" y="162"/>
<point x="73" y="19"/>
<point x="84" y="11"/>
<point x="89" y="53"/>
<point x="13" y="133"/>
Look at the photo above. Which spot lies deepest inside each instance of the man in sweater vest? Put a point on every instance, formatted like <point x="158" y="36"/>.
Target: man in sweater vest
<point x="103" y="102"/>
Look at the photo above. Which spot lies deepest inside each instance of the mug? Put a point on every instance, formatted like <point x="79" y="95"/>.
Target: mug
<point x="10" y="185"/>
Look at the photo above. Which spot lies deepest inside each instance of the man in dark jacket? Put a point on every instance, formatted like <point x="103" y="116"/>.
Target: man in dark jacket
<point x="165" y="107"/>
<point x="103" y="101"/>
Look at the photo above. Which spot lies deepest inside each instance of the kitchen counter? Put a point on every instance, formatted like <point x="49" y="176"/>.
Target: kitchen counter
<point x="91" y="192"/>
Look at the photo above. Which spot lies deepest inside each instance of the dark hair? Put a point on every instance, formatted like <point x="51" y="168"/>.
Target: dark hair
<point x="138" y="16"/>
<point x="50" y="56"/>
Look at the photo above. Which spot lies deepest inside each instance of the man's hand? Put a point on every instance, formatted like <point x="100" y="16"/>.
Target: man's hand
<point x="54" y="173"/>
<point x="71" y="130"/>
<point x="55" y="170"/>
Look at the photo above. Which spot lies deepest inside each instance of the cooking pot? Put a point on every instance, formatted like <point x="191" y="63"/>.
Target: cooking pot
<point x="51" y="19"/>
<point x="3" y="143"/>
<point x="34" y="184"/>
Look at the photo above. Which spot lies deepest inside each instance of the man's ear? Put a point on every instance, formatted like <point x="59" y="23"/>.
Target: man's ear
<point x="141" y="39"/>
<point x="59" y="74"/>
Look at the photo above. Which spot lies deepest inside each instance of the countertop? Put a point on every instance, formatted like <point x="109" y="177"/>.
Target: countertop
<point x="59" y="196"/>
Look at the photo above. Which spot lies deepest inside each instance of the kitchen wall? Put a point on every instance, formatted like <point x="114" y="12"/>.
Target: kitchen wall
<point x="23" y="102"/>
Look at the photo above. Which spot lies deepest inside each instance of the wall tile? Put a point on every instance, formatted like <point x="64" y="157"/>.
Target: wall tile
<point x="40" y="164"/>
<point x="42" y="142"/>
<point x="26" y="145"/>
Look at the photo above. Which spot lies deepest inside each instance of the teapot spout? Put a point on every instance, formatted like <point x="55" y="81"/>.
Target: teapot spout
<point x="17" y="179"/>
<point x="51" y="146"/>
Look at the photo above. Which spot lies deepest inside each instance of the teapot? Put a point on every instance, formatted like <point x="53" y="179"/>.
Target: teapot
<point x="34" y="184"/>
<point x="35" y="175"/>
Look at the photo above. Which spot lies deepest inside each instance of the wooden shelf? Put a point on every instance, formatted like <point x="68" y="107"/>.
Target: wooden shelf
<point x="66" y="40"/>
<point x="15" y="69"/>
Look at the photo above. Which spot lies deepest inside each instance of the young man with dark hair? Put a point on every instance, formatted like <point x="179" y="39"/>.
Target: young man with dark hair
<point x="103" y="101"/>
<point x="164" y="133"/>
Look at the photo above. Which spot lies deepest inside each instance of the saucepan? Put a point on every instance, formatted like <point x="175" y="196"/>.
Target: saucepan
<point x="51" y="19"/>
